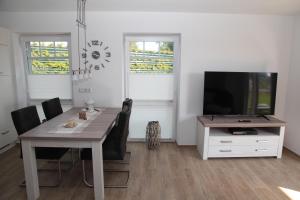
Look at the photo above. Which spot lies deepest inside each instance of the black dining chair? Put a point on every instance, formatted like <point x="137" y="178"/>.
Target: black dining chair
<point x="127" y="104"/>
<point x="26" y="119"/>
<point x="114" y="148"/>
<point x="52" y="108"/>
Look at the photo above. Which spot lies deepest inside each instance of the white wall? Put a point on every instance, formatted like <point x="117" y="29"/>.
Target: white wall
<point x="292" y="137"/>
<point x="208" y="42"/>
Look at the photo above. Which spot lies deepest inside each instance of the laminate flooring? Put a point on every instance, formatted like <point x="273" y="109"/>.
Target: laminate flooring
<point x="170" y="173"/>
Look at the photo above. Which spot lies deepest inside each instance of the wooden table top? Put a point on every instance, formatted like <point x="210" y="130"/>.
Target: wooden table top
<point x="95" y="130"/>
<point x="233" y="121"/>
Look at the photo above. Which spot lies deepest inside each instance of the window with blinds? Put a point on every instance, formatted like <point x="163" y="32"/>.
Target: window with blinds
<point x="47" y="59"/>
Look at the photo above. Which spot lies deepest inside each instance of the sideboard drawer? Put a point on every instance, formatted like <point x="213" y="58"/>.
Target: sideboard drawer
<point x="243" y="140"/>
<point x="240" y="151"/>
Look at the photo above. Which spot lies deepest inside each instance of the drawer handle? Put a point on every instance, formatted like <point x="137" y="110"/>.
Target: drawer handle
<point x="263" y="141"/>
<point x="261" y="149"/>
<point x="224" y="151"/>
<point x="5" y="132"/>
<point x="226" y="141"/>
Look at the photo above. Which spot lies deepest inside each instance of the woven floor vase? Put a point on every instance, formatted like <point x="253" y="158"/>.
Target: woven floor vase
<point x="153" y="135"/>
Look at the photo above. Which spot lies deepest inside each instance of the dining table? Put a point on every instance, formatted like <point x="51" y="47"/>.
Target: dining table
<point x="88" y="133"/>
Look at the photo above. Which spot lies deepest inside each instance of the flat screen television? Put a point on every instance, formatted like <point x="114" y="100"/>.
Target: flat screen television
<point x="239" y="93"/>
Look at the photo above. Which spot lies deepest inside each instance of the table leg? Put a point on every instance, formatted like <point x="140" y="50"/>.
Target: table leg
<point x="98" y="170"/>
<point x="30" y="169"/>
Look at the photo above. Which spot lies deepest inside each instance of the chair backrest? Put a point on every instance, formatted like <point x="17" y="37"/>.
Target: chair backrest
<point x="119" y="133"/>
<point x="127" y="104"/>
<point x="52" y="108"/>
<point x="25" y="119"/>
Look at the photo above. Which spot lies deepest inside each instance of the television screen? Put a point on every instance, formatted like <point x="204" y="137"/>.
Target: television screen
<point x="239" y="93"/>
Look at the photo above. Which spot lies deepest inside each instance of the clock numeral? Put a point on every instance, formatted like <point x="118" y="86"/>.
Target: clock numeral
<point x="97" y="67"/>
<point x="107" y="54"/>
<point x="102" y="65"/>
<point x="105" y="48"/>
<point x="89" y="44"/>
<point x="83" y="55"/>
<point x="91" y="65"/>
<point x="85" y="62"/>
<point x="95" y="42"/>
<point x="101" y="43"/>
<point x="84" y="50"/>
<point x="107" y="60"/>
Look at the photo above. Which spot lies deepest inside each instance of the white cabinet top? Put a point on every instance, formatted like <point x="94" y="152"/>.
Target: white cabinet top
<point x="233" y="121"/>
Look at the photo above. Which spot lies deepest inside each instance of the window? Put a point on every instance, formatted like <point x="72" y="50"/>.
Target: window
<point x="151" y="63"/>
<point x="151" y="56"/>
<point x="47" y="60"/>
<point x="48" y="57"/>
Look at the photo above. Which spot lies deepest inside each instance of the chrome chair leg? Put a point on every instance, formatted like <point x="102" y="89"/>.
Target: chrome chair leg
<point x="84" y="178"/>
<point x="59" y="176"/>
<point x="85" y="181"/>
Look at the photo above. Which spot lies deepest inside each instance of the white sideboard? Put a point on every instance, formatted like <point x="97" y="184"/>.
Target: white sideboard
<point x="214" y="140"/>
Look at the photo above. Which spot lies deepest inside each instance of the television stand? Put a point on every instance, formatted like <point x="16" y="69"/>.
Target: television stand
<point x="264" y="116"/>
<point x="214" y="140"/>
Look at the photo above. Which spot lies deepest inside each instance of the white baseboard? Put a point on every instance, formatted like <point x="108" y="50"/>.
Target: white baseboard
<point x="144" y="140"/>
<point x="7" y="147"/>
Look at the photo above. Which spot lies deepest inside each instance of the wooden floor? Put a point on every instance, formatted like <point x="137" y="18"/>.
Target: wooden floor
<point x="171" y="173"/>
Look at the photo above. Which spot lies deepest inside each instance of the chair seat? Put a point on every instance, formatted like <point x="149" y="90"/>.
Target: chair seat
<point x="109" y="153"/>
<point x="50" y="153"/>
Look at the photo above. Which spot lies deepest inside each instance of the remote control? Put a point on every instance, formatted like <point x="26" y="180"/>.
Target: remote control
<point x="244" y="120"/>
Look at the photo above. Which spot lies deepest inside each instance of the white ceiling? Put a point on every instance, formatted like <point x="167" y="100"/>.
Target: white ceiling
<point x="282" y="7"/>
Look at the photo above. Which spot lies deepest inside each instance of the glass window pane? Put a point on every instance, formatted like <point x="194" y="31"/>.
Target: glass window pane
<point x="35" y="52"/>
<point x="167" y="47"/>
<point x="47" y="44"/>
<point x="47" y="49"/>
<point x="152" y="47"/>
<point x="44" y="66"/>
<point x="154" y="57"/>
<point x="35" y="44"/>
<point x="61" y="44"/>
<point x="49" y="57"/>
<point x="61" y="52"/>
<point x="136" y="46"/>
<point x="61" y="49"/>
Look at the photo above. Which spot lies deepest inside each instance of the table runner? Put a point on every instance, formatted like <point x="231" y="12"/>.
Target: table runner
<point x="81" y="124"/>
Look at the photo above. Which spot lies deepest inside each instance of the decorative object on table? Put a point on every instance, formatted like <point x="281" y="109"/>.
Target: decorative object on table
<point x="153" y="135"/>
<point x="90" y="105"/>
<point x="82" y="115"/>
<point x="70" y="124"/>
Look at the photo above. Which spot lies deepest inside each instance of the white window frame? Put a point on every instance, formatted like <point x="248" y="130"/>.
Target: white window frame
<point x="46" y="37"/>
<point x="175" y="73"/>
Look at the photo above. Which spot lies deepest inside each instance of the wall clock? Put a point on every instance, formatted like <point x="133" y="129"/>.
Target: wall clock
<point x="96" y="54"/>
